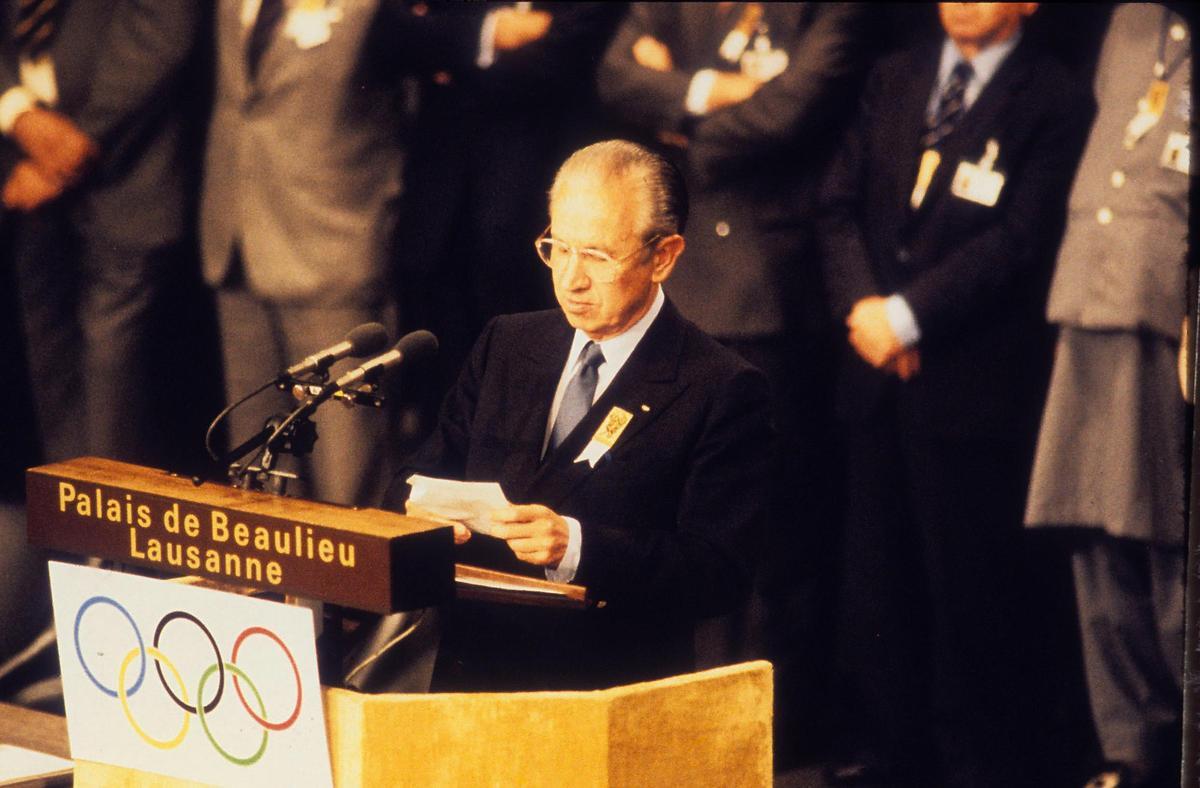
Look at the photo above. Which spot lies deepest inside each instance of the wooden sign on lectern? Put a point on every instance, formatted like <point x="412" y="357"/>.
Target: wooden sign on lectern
<point x="361" y="558"/>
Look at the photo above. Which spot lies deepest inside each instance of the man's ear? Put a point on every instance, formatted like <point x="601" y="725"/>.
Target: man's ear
<point x="666" y="253"/>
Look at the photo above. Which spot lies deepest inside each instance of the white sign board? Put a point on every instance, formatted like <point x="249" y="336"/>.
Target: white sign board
<point x="188" y="682"/>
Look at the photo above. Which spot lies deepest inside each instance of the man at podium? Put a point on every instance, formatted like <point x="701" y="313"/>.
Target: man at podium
<point x="635" y="449"/>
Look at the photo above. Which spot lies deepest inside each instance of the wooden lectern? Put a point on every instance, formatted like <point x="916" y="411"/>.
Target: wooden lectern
<point x="701" y="729"/>
<point x="707" y="728"/>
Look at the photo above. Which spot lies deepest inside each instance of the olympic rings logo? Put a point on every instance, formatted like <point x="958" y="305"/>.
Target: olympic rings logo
<point x="200" y="708"/>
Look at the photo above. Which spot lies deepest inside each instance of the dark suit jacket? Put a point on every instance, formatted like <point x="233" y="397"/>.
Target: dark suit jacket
<point x="975" y="276"/>
<point x="750" y="167"/>
<point x="120" y="71"/>
<point x="670" y="516"/>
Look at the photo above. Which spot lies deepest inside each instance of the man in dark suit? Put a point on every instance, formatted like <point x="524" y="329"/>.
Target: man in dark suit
<point x="95" y="183"/>
<point x="660" y="520"/>
<point x="750" y="92"/>
<point x="941" y="216"/>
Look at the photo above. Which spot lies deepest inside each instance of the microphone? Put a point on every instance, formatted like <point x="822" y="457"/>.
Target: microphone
<point x="416" y="345"/>
<point x="411" y="347"/>
<point x="361" y="341"/>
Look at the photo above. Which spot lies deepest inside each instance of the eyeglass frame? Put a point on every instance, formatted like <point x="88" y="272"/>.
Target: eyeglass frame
<point x="575" y="251"/>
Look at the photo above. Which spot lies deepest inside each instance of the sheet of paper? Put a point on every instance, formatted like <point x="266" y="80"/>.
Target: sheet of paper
<point x="469" y="503"/>
<point x="18" y="764"/>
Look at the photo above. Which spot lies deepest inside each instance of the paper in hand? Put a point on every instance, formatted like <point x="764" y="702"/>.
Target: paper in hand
<point x="469" y="503"/>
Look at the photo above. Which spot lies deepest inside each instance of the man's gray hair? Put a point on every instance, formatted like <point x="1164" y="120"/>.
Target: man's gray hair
<point x="661" y="182"/>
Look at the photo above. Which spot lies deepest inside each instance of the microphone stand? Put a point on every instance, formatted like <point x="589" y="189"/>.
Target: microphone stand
<point x="295" y="434"/>
<point x="287" y="433"/>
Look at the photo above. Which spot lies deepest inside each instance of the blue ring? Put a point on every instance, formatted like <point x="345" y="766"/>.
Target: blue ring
<point x="141" y="646"/>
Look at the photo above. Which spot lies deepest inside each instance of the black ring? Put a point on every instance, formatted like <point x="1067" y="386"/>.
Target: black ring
<point x="208" y="707"/>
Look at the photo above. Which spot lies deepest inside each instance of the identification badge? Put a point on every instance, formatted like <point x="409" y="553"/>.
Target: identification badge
<point x="1150" y="111"/>
<point x="738" y="39"/>
<point x="762" y="62"/>
<point x="310" y="23"/>
<point x="606" y="436"/>
<point x="930" y="160"/>
<point x="979" y="183"/>
<point x="1177" y="153"/>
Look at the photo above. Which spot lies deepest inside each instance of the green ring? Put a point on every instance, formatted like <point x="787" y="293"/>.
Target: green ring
<point x="251" y="760"/>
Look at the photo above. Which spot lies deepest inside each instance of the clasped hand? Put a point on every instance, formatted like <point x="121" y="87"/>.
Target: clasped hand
<point x="872" y="337"/>
<point x="535" y="533"/>
<point x="729" y="88"/>
<point x="58" y="154"/>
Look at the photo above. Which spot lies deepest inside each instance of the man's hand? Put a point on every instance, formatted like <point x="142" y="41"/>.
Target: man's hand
<point x="653" y="54"/>
<point x="29" y="188"/>
<point x="730" y="89"/>
<point x="534" y="533"/>
<point x="461" y="532"/>
<point x="871" y="334"/>
<point x="57" y="145"/>
<point x="515" y="29"/>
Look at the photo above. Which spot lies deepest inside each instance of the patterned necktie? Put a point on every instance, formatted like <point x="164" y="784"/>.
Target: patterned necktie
<point x="269" y="14"/>
<point x="36" y="23"/>
<point x="951" y="105"/>
<point x="577" y="400"/>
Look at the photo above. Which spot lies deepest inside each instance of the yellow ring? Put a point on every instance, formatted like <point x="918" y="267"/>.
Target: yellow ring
<point x="161" y="744"/>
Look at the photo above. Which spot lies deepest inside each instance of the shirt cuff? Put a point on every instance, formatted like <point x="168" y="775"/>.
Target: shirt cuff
<point x="487" y="41"/>
<point x="13" y="102"/>
<point x="699" y="91"/>
<point x="902" y="320"/>
<point x="569" y="564"/>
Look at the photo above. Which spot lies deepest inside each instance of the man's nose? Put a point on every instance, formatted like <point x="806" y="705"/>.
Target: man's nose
<point x="574" y="277"/>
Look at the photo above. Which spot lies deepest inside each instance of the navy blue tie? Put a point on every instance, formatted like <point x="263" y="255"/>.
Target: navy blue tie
<point x="36" y="23"/>
<point x="577" y="400"/>
<point x="951" y="107"/>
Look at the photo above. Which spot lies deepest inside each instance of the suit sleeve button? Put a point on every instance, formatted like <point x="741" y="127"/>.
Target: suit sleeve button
<point x="722" y="229"/>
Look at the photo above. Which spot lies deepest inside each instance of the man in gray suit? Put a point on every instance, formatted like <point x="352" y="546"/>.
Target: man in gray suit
<point x="302" y="169"/>
<point x="94" y="172"/>
<point x="1110" y="452"/>
<point x="94" y="179"/>
<point x="302" y="177"/>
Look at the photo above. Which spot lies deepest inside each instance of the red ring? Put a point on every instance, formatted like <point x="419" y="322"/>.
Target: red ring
<point x="275" y="726"/>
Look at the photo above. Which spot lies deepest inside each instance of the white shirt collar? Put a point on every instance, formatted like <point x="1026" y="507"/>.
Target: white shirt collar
<point x="618" y="349"/>
<point x="985" y="64"/>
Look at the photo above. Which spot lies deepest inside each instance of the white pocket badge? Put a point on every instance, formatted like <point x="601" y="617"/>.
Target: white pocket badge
<point x="310" y="23"/>
<point x="979" y="183"/>
<point x="1177" y="153"/>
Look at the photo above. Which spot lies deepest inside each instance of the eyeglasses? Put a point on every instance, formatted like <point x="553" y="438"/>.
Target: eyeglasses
<point x="597" y="265"/>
